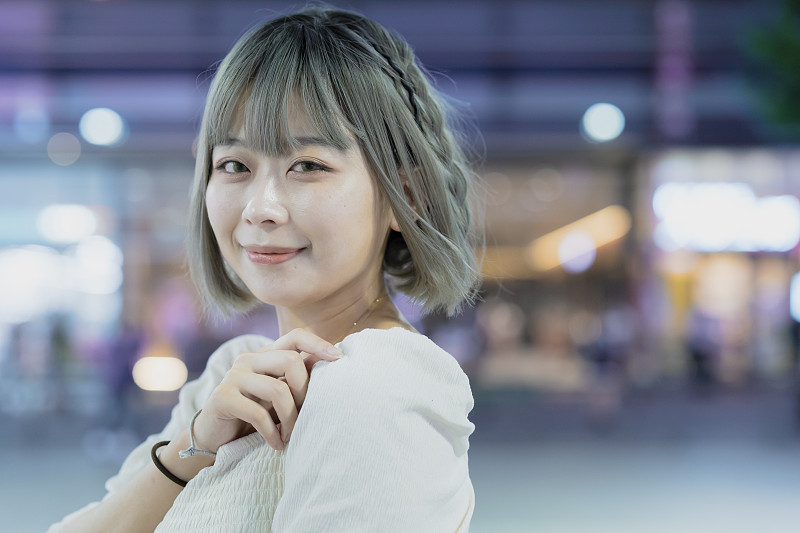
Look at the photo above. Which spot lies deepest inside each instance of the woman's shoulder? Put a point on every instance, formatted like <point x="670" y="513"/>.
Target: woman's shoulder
<point x="400" y="345"/>
<point x="403" y="359"/>
<point x="387" y="374"/>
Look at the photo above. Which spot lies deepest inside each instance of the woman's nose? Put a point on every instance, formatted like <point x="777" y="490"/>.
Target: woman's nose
<point x="265" y="205"/>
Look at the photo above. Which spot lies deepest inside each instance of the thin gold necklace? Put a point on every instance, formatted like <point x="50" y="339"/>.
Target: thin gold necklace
<point x="364" y="315"/>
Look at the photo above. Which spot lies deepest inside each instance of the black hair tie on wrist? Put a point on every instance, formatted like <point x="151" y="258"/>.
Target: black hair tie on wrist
<point x="172" y="477"/>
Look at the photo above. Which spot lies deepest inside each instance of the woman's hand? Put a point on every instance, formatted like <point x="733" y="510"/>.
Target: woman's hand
<point x="263" y="390"/>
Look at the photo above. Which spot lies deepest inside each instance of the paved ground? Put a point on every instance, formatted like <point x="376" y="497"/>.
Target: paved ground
<point x="670" y="461"/>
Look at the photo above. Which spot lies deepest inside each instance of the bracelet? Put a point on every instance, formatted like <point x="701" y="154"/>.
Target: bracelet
<point x="191" y="450"/>
<point x="172" y="477"/>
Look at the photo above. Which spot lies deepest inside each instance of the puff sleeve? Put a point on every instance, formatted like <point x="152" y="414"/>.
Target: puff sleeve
<point x="381" y="442"/>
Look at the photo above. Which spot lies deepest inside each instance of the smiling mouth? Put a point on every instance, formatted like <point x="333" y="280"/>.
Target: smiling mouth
<point x="261" y="258"/>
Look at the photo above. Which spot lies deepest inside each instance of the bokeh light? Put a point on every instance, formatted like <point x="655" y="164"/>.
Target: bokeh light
<point x="160" y="373"/>
<point x="97" y="265"/>
<point x="28" y="282"/>
<point x="63" y="149"/>
<point x="603" y="122"/>
<point x="715" y="217"/>
<point x="102" y="126"/>
<point x="776" y="223"/>
<point x="794" y="297"/>
<point x="601" y="228"/>
<point x="66" y="223"/>
<point x="577" y="251"/>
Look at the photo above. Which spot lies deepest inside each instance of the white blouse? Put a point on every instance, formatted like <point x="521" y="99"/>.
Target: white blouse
<point x="380" y="445"/>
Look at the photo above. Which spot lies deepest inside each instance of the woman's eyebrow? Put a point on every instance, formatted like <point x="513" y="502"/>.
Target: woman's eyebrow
<point x="318" y="141"/>
<point x="230" y="141"/>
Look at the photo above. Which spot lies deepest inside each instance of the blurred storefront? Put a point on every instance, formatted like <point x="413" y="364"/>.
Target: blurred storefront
<point x="664" y="269"/>
<point x="723" y="228"/>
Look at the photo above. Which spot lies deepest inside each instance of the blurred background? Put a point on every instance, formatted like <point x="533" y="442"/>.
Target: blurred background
<point x="634" y="358"/>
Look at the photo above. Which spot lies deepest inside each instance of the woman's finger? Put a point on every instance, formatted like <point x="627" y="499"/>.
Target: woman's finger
<point x="278" y="363"/>
<point x="273" y="393"/>
<point x="229" y="412"/>
<point x="312" y="347"/>
<point x="257" y="416"/>
<point x="302" y="340"/>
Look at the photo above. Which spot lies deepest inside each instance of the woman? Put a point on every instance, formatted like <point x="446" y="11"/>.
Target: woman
<point x="325" y="171"/>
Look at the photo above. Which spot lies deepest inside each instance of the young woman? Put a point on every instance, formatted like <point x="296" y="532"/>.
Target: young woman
<point x="327" y="174"/>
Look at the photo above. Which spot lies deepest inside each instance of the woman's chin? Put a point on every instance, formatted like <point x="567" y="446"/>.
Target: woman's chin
<point x="276" y="298"/>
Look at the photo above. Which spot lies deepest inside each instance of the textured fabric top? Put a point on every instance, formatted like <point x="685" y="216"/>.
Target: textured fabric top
<point x="380" y="444"/>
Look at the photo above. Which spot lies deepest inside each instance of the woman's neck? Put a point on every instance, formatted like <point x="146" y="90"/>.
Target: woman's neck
<point x="332" y="320"/>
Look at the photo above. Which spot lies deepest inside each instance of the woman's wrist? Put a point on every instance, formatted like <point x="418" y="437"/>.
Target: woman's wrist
<point x="183" y="468"/>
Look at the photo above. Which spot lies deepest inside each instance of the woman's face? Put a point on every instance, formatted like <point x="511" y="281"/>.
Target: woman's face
<point x="300" y="228"/>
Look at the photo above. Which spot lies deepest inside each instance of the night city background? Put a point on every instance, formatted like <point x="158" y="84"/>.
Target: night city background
<point x="634" y="358"/>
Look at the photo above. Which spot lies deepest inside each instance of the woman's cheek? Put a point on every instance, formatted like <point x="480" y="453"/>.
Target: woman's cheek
<point x="220" y="212"/>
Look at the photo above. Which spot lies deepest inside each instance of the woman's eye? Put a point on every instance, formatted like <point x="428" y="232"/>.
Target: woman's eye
<point x="308" y="166"/>
<point x="232" y="167"/>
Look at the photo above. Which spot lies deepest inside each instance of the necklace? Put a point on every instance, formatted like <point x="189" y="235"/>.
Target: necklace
<point x="364" y="315"/>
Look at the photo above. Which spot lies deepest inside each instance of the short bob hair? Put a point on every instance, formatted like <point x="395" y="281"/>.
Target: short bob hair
<point x="350" y="75"/>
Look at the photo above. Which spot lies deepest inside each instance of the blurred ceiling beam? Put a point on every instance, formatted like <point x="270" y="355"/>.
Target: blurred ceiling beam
<point x="528" y="69"/>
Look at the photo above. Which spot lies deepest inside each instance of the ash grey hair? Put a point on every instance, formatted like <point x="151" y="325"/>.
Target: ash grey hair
<point x="355" y="80"/>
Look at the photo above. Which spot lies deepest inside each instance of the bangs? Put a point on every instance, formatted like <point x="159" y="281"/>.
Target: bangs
<point x="261" y="89"/>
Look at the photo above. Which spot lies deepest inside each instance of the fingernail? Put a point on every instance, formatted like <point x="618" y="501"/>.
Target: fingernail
<point x="286" y="439"/>
<point x="333" y="351"/>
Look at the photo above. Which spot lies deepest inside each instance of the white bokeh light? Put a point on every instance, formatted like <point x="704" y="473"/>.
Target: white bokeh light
<point x="29" y="278"/>
<point x="66" y="223"/>
<point x="603" y="122"/>
<point x="102" y="126"/>
<point x="665" y="239"/>
<point x="577" y="251"/>
<point x="715" y="217"/>
<point x="776" y="225"/>
<point x="97" y="266"/>
<point x="794" y="297"/>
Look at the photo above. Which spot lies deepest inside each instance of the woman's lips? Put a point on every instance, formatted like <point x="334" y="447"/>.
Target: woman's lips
<point x="271" y="258"/>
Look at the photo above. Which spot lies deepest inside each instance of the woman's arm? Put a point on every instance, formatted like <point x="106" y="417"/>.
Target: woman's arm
<point x="134" y="470"/>
<point x="141" y="504"/>
<point x="240" y="400"/>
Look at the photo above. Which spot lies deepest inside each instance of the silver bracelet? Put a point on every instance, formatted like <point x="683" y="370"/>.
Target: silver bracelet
<point x="191" y="450"/>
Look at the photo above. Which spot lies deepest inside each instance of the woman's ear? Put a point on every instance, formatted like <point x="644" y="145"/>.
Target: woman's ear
<point x="393" y="223"/>
<point x="410" y="199"/>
